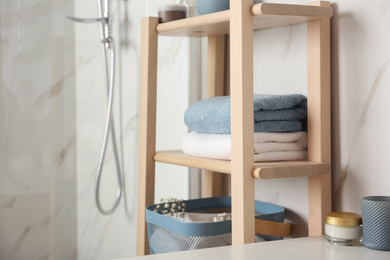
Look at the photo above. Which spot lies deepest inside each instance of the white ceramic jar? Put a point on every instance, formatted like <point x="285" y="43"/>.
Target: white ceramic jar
<point x="344" y="228"/>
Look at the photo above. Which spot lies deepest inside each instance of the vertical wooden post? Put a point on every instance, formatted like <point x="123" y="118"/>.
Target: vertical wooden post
<point x="147" y="127"/>
<point x="215" y="66"/>
<point x="214" y="183"/>
<point x="241" y="88"/>
<point x="319" y="131"/>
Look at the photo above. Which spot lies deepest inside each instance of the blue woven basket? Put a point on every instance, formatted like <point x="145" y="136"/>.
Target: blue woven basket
<point x="169" y="235"/>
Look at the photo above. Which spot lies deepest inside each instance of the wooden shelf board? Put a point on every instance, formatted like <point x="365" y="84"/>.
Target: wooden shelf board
<point x="179" y="158"/>
<point x="266" y="170"/>
<point x="266" y="15"/>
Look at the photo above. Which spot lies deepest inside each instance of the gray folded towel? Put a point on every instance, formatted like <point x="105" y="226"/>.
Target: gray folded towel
<point x="272" y="113"/>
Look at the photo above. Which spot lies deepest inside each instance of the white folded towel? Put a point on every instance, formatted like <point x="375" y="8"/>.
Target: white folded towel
<point x="267" y="146"/>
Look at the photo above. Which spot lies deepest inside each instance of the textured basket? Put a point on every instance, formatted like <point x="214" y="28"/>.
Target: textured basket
<point x="169" y="235"/>
<point x="376" y="222"/>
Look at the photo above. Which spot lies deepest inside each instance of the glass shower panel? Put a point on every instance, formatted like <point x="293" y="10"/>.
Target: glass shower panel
<point x="52" y="111"/>
<point x="37" y="131"/>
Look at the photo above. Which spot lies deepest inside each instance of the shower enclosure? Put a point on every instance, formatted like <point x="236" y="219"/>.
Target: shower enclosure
<point x="53" y="102"/>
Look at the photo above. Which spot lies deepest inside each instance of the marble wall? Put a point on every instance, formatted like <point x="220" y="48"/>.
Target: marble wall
<point x="360" y="76"/>
<point x="53" y="105"/>
<point x="53" y="99"/>
<point x="114" y="236"/>
<point x="38" y="178"/>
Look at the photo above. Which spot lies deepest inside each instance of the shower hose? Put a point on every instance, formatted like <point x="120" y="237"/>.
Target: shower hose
<point x="109" y="127"/>
<point x="108" y="46"/>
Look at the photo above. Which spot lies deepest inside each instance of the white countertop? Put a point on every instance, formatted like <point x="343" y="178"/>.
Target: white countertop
<point x="312" y="248"/>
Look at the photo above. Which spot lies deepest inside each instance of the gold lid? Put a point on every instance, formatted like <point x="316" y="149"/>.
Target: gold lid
<point x="343" y="219"/>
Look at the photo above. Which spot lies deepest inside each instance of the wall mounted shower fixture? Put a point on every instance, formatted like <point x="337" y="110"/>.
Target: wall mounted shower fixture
<point x="108" y="46"/>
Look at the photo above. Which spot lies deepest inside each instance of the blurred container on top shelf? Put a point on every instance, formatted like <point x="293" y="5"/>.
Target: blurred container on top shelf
<point x="152" y="6"/>
<point x="212" y="6"/>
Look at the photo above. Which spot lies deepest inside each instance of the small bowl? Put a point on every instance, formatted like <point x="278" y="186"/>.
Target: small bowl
<point x="212" y="6"/>
<point x="171" y="12"/>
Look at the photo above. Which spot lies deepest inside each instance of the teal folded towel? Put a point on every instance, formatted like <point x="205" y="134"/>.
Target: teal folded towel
<point x="272" y="113"/>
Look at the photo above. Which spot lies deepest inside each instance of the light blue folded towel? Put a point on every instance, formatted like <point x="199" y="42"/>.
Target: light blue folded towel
<point x="272" y="113"/>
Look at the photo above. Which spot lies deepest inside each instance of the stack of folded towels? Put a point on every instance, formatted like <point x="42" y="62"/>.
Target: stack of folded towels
<point x="277" y="126"/>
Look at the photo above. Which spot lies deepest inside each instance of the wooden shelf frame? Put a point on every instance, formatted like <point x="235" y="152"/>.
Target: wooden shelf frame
<point x="215" y="184"/>
<point x="265" y="15"/>
<point x="265" y="170"/>
<point x="240" y="22"/>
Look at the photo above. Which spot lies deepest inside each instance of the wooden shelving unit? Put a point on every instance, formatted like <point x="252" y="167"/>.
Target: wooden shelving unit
<point x="265" y="15"/>
<point x="270" y="170"/>
<point x="240" y="22"/>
